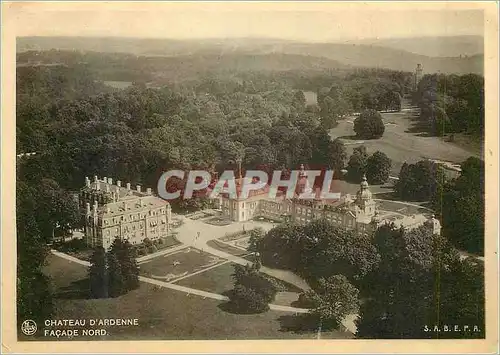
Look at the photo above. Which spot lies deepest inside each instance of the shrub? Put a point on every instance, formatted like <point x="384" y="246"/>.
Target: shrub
<point x="369" y="125"/>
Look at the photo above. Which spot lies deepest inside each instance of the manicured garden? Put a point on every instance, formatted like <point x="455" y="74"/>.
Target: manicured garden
<point x="178" y="264"/>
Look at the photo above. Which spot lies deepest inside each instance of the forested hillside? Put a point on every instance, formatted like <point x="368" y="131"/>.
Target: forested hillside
<point x="214" y="50"/>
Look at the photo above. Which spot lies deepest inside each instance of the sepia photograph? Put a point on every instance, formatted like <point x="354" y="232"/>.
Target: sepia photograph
<point x="250" y="171"/>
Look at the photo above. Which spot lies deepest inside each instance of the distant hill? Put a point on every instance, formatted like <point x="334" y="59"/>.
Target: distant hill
<point x="343" y="54"/>
<point x="439" y="46"/>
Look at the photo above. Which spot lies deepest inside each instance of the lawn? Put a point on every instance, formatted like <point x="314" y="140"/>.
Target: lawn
<point x="178" y="264"/>
<point x="166" y="314"/>
<point x="219" y="280"/>
<point x="216" y="280"/>
<point x="402" y="141"/>
<point x="216" y="244"/>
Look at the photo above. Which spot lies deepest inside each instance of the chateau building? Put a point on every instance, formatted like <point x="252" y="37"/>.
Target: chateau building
<point x="360" y="212"/>
<point x="112" y="211"/>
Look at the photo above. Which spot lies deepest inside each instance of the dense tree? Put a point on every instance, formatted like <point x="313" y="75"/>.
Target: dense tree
<point x="98" y="274"/>
<point x="252" y="290"/>
<point x="422" y="181"/>
<point x="461" y="205"/>
<point x="378" y="168"/>
<point x="338" y="155"/>
<point x="34" y="291"/>
<point x="332" y="300"/>
<point x="116" y="278"/>
<point x="356" y="167"/>
<point x="256" y="235"/>
<point x="313" y="250"/>
<point x="57" y="210"/>
<point x="369" y="125"/>
<point x="415" y="285"/>
<point x="128" y="264"/>
<point x="451" y="103"/>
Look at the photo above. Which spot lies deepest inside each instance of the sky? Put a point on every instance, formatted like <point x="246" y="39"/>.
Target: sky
<point x="286" y="20"/>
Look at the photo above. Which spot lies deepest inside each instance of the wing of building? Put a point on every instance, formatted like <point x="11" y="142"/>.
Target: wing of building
<point x="113" y="211"/>
<point x="358" y="212"/>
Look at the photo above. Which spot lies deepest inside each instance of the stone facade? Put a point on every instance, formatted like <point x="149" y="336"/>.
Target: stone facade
<point x="112" y="211"/>
<point x="360" y="213"/>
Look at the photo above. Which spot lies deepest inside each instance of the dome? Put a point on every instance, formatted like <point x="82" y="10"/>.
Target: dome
<point x="364" y="193"/>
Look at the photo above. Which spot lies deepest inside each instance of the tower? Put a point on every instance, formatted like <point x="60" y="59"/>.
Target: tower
<point x="364" y="200"/>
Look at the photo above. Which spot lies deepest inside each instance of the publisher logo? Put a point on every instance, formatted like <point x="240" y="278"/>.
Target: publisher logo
<point x="28" y="327"/>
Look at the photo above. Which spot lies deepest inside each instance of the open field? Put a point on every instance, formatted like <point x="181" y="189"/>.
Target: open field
<point x="402" y="141"/>
<point x="164" y="314"/>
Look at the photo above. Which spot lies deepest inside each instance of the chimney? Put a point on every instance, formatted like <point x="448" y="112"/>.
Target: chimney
<point x="87" y="181"/>
<point x="125" y="205"/>
<point x="98" y="186"/>
<point x="138" y="188"/>
<point x="96" y="205"/>
<point x="148" y="191"/>
<point x="128" y="185"/>
<point x="96" y="178"/>
<point x="118" y="183"/>
<point x="88" y="208"/>
<point x="110" y="181"/>
<point x="141" y="202"/>
<point x="105" y="179"/>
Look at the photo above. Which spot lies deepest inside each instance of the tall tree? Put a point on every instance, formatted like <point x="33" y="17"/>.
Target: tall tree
<point x="252" y="291"/>
<point x="128" y="264"/>
<point x="422" y="181"/>
<point x="98" y="274"/>
<point x="369" y="125"/>
<point x="378" y="168"/>
<point x="415" y="285"/>
<point x="116" y="279"/>
<point x="34" y="291"/>
<point x="356" y="167"/>
<point x="332" y="300"/>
